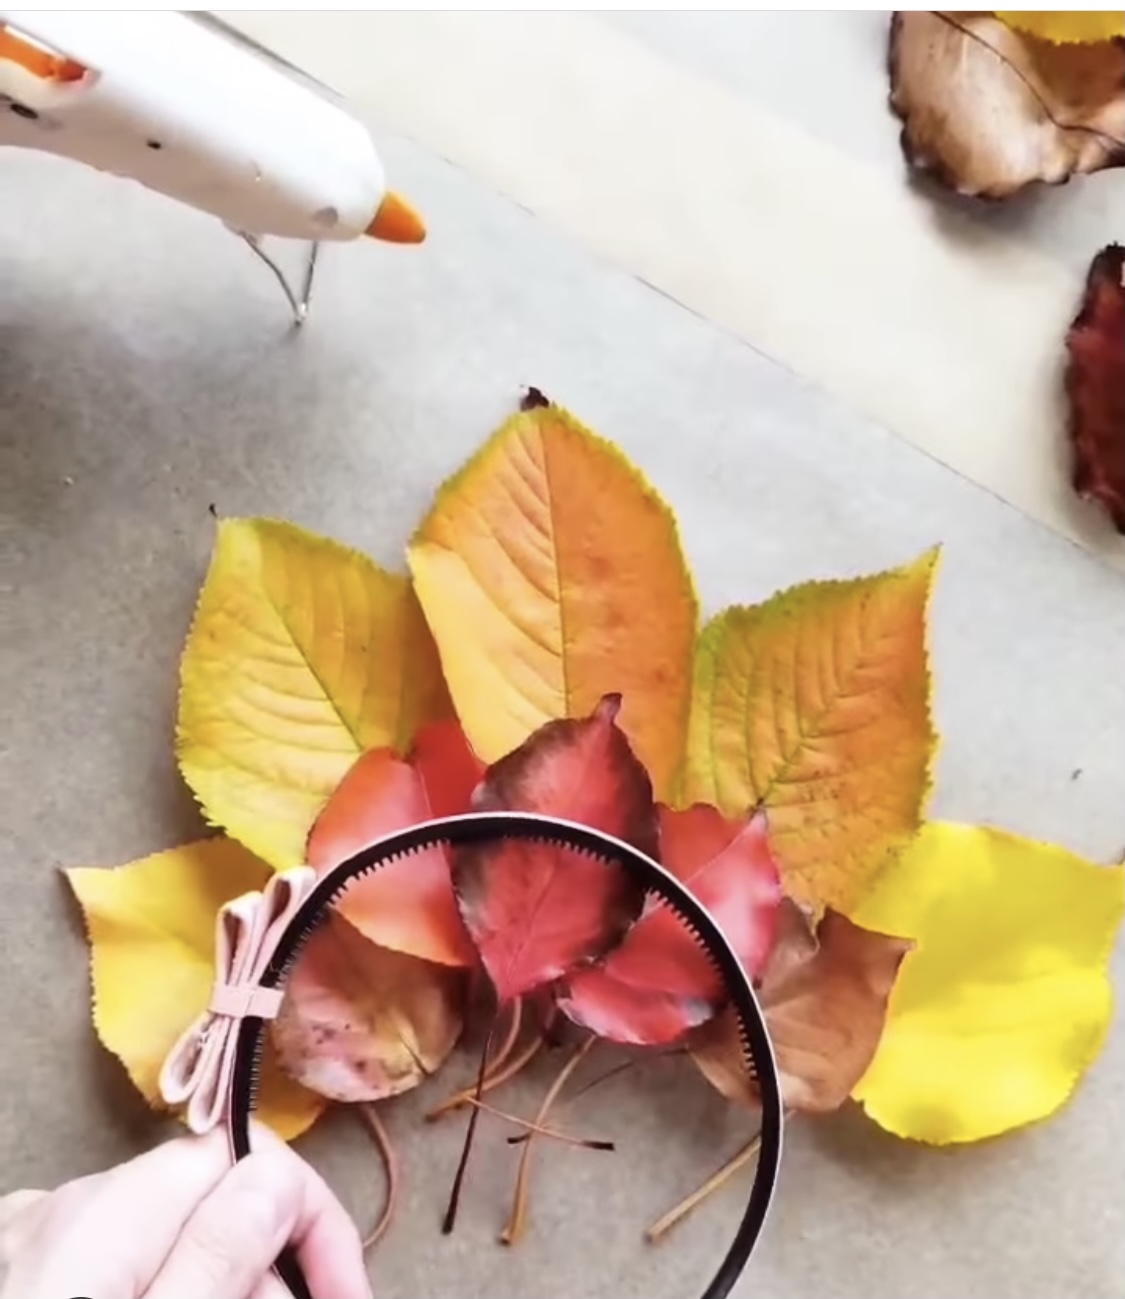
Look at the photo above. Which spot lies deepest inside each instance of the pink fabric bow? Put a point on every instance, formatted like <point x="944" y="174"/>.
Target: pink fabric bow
<point x="198" y="1068"/>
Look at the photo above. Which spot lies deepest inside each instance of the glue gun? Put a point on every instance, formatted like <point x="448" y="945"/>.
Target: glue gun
<point x="185" y="105"/>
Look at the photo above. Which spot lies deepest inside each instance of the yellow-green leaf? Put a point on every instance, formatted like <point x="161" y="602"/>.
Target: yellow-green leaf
<point x="551" y="575"/>
<point x="1068" y="27"/>
<point x="1006" y="1000"/>
<point x="815" y="705"/>
<point x="151" y="929"/>
<point x="302" y="655"/>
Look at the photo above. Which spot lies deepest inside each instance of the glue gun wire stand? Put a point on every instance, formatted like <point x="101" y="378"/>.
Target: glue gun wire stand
<point x="187" y="106"/>
<point x="298" y="303"/>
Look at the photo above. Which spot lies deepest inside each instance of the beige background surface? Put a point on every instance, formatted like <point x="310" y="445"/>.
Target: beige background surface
<point x="146" y="374"/>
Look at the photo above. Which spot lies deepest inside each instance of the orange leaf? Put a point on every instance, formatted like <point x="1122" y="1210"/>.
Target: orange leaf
<point x="1095" y="385"/>
<point x="535" y="910"/>
<point x="360" y="1023"/>
<point x="815" y="705"/>
<point x="825" y="1003"/>
<point x="659" y="983"/>
<point x="407" y="905"/>
<point x="988" y="109"/>
<point x="551" y="574"/>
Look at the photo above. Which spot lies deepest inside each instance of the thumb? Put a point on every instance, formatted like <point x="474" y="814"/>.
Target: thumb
<point x="17" y="1220"/>
<point x="234" y="1235"/>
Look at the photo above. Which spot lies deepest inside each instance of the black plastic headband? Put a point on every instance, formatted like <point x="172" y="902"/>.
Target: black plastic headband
<point x="484" y="827"/>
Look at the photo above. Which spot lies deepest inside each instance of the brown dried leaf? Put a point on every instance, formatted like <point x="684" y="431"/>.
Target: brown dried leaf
<point x="988" y="109"/>
<point x="1095" y="385"/>
<point x="825" y="1001"/>
<point x="360" y="1022"/>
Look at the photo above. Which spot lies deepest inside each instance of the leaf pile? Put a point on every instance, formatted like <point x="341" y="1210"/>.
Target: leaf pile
<point x="545" y="654"/>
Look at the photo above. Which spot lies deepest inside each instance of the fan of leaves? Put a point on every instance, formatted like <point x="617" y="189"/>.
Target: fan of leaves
<point x="545" y="654"/>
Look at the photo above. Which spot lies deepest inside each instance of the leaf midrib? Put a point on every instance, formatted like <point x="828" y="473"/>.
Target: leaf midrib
<point x="805" y="734"/>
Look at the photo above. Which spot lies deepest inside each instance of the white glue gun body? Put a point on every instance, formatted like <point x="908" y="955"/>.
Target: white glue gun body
<point x="187" y="107"/>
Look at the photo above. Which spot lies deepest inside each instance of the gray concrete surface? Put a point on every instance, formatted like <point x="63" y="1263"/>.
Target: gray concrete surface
<point x="146" y="373"/>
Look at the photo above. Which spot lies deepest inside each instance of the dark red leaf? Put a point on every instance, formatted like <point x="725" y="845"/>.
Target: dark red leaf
<point x="659" y="984"/>
<point x="536" y="911"/>
<point x="1095" y="385"/>
<point x="408" y="905"/>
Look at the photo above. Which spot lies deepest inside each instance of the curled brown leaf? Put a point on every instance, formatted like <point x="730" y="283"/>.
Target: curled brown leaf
<point x="989" y="109"/>
<point x="360" y="1022"/>
<point x="825" y="996"/>
<point x="1095" y="385"/>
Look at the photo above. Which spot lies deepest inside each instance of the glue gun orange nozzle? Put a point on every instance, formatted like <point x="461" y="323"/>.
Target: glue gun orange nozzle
<point x="396" y="222"/>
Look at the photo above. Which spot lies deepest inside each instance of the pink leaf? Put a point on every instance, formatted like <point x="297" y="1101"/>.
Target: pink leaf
<point x="359" y="1022"/>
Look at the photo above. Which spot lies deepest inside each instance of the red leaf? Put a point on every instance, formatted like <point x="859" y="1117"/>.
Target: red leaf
<point x="1095" y="385"/>
<point x="408" y="905"/>
<point x="659" y="984"/>
<point x="535" y="911"/>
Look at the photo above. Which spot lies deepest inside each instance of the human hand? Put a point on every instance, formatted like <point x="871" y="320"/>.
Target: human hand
<point x="179" y="1222"/>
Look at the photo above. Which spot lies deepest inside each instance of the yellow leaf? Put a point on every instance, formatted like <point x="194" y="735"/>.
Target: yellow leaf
<point x="151" y="928"/>
<point x="1006" y="1000"/>
<point x="302" y="655"/>
<point x="1066" y="28"/>
<point x="551" y="575"/>
<point x="815" y="705"/>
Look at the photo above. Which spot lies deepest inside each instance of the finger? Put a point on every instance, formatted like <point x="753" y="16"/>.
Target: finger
<point x="230" y="1242"/>
<point x="327" y="1242"/>
<point x="328" y="1245"/>
<point x="232" y="1248"/>
<point x="15" y="1204"/>
<point x="144" y="1202"/>
<point x="17" y="1220"/>
<point x="270" y="1287"/>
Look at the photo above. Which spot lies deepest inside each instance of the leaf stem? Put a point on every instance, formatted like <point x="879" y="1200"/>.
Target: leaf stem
<point x="529" y="1126"/>
<point x="493" y="1079"/>
<point x="624" y="1067"/>
<point x="677" y="1213"/>
<point x="499" y="1057"/>
<point x="511" y="1037"/>
<point x="450" y="1218"/>
<point x="387" y="1153"/>
<point x="518" y="1219"/>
